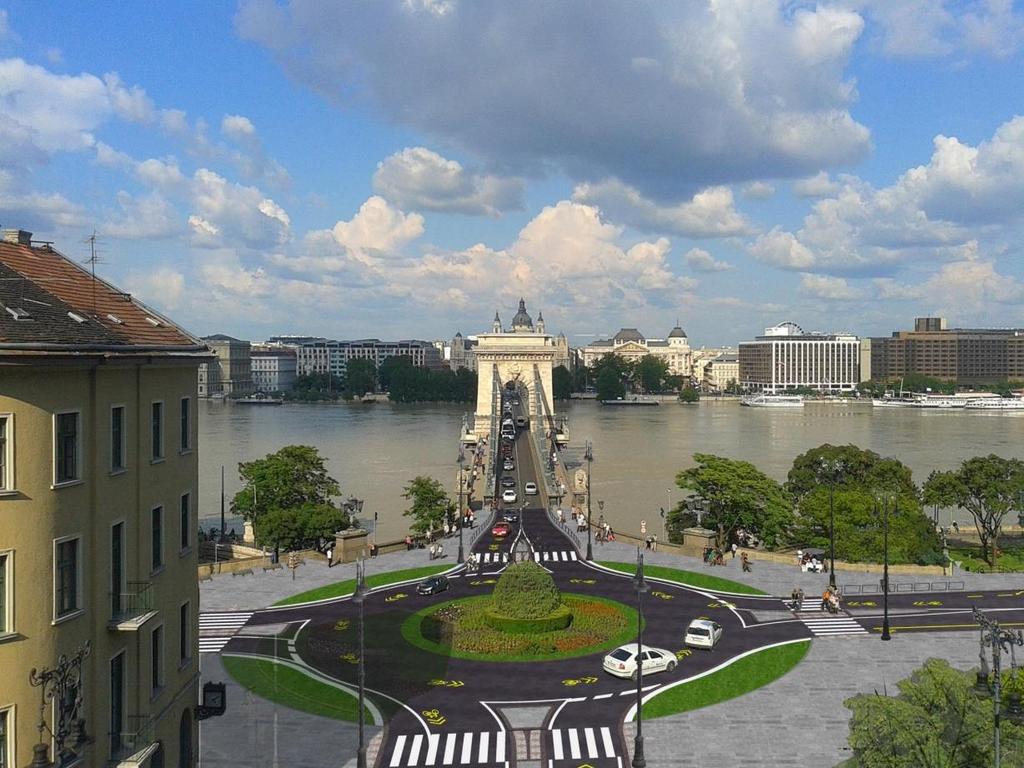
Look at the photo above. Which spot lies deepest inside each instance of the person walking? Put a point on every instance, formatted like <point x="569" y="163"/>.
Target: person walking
<point x="746" y="562"/>
<point x="330" y="557"/>
<point x="654" y="543"/>
<point x="433" y="551"/>
<point x="734" y="548"/>
<point x="440" y="550"/>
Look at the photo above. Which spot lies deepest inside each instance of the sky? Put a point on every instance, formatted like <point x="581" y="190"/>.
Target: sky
<point x="405" y="168"/>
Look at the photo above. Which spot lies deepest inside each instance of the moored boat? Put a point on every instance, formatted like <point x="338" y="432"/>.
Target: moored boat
<point x="773" y="401"/>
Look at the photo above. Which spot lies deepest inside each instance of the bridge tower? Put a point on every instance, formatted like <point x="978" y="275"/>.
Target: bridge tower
<point x="522" y="356"/>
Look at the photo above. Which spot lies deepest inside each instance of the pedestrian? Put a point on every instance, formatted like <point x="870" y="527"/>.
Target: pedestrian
<point x="445" y="527"/>
<point x="440" y="550"/>
<point x="956" y="527"/>
<point x="654" y="543"/>
<point x="746" y="562"/>
<point x="647" y="543"/>
<point x="408" y="543"/>
<point x="330" y="557"/>
<point x="734" y="548"/>
<point x="561" y="517"/>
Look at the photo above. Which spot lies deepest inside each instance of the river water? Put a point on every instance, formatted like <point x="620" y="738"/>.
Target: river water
<point x="375" y="450"/>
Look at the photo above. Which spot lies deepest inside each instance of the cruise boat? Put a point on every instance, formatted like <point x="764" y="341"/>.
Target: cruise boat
<point x="773" y="401"/>
<point x="997" y="404"/>
<point x="260" y="399"/>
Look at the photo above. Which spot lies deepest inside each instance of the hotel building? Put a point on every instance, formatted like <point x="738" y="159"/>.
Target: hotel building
<point x="787" y="358"/>
<point x="632" y="345"/>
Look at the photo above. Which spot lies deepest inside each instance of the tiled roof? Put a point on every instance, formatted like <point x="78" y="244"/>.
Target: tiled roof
<point x="628" y="334"/>
<point x="47" y="286"/>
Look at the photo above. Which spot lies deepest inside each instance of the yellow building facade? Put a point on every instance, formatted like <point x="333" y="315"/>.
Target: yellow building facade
<point x="99" y="600"/>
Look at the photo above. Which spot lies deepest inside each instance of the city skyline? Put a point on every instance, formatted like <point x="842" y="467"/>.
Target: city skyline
<point x="279" y="169"/>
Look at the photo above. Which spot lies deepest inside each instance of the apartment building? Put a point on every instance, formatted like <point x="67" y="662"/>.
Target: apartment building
<point x="786" y="358"/>
<point x="230" y="371"/>
<point x="333" y="356"/>
<point x="98" y="519"/>
<point x="273" y="369"/>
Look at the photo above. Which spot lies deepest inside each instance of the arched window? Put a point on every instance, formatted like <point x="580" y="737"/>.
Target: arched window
<point x="185" y="740"/>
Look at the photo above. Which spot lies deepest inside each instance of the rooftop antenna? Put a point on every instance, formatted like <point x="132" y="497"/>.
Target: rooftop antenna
<point x="92" y="261"/>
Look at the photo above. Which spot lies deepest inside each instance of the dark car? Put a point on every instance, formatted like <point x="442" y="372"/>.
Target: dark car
<point x="511" y="516"/>
<point x="432" y="585"/>
<point x="508" y="482"/>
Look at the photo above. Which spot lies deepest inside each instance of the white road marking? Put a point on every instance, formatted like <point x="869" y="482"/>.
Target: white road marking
<point x="556" y="743"/>
<point x="609" y="745"/>
<point x="467" y="748"/>
<point x="449" y="748"/>
<point x="433" y="740"/>
<point x="396" y="756"/>
<point x="414" y="749"/>
<point x="588" y="734"/>
<point x="482" y="753"/>
<point x="574" y="744"/>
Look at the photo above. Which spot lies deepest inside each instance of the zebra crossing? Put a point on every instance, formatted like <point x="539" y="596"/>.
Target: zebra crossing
<point x="486" y="748"/>
<point x="215" y="629"/>
<point x="581" y="743"/>
<point x="561" y="556"/>
<point x="824" y="624"/>
<point x="493" y="557"/>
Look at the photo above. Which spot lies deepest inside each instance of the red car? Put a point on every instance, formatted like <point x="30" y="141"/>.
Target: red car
<point x="501" y="529"/>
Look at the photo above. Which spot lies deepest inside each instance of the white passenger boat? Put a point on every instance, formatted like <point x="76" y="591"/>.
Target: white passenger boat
<point x="997" y="404"/>
<point x="773" y="401"/>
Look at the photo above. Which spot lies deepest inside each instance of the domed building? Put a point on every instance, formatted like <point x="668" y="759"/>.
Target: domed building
<point x="632" y="345"/>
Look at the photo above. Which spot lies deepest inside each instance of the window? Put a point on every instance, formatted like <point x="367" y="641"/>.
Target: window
<point x="6" y="623"/>
<point x="117" y="689"/>
<point x="6" y="480"/>
<point x="67" y="447"/>
<point x="117" y="569"/>
<point x="67" y="577"/>
<point x="157" y="429"/>
<point x="118" y="440"/>
<point x="185" y="529"/>
<point x="186" y="424"/>
<point x="157" y="517"/>
<point x="6" y="735"/>
<point x="184" y="633"/>
<point x="185" y="740"/>
<point x="156" y="666"/>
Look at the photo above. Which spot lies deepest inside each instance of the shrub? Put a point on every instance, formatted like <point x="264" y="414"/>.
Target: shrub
<point x="525" y="591"/>
<point x="560" y="618"/>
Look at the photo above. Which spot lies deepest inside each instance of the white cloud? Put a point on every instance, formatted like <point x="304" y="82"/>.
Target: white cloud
<point x="758" y="190"/>
<point x="233" y="212"/>
<point x="419" y="179"/>
<point x="826" y="287"/>
<point x="782" y="249"/>
<point x="743" y="90"/>
<point x="148" y="217"/>
<point x="378" y="229"/>
<point x="54" y="55"/>
<point x="238" y="128"/>
<point x="819" y="185"/>
<point x="710" y="213"/>
<point x="162" y="174"/>
<point x="700" y="260"/>
<point x="163" y="288"/>
<point x="5" y="28"/>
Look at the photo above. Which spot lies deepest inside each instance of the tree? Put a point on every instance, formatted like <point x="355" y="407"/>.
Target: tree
<point x="935" y="721"/>
<point x="360" y="377"/>
<point x="851" y="466"/>
<point x="650" y="372"/>
<point x="986" y="486"/>
<point x="388" y="367"/>
<point x="292" y="477"/>
<point x="315" y="387"/>
<point x="430" y="504"/>
<point x="307" y="526"/>
<point x="609" y="383"/>
<point x="561" y="383"/>
<point x="737" y="495"/>
<point x="689" y="395"/>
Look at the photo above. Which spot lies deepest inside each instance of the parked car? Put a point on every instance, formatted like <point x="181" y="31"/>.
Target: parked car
<point x="703" y="633"/>
<point x="508" y="482"/>
<point x="501" y="529"/>
<point x="622" y="662"/>
<point x="530" y="489"/>
<point x="432" y="585"/>
<point x="509" y="496"/>
<point x="511" y="516"/>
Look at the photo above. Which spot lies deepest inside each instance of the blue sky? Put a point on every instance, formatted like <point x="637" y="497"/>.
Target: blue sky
<point x="402" y="168"/>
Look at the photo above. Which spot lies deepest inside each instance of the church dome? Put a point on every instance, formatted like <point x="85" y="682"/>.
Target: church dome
<point x="522" y="321"/>
<point x="677" y="333"/>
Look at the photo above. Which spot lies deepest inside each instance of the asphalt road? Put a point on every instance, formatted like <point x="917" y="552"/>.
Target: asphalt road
<point x="449" y="711"/>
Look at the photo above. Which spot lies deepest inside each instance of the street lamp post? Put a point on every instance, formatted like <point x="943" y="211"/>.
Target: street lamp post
<point x="832" y="468"/>
<point x="359" y="597"/>
<point x="998" y="639"/>
<point x="639" y="761"/>
<point x="462" y="517"/>
<point x="589" y="456"/>
<point x="885" y="564"/>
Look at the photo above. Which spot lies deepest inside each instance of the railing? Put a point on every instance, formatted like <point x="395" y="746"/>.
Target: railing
<point x="903" y="586"/>
<point x="127" y="743"/>
<point x="132" y="603"/>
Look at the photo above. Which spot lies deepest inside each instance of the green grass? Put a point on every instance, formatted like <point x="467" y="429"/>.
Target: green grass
<point x="348" y="586"/>
<point x="593" y="630"/>
<point x="291" y="688"/>
<point x="740" y="677"/>
<point x="691" y="579"/>
<point x="1011" y="560"/>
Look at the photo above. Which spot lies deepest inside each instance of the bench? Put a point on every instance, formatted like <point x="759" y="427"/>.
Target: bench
<point x="272" y="567"/>
<point x="243" y="572"/>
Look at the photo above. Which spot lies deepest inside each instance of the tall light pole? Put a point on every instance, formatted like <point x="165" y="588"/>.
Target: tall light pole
<point x="832" y="468"/>
<point x="589" y="456"/>
<point x="998" y="639"/>
<point x="639" y="761"/>
<point x="462" y="517"/>
<point x="359" y="597"/>
<point x="885" y="564"/>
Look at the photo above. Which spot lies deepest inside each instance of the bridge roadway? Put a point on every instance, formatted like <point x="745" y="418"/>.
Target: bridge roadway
<point x="556" y="714"/>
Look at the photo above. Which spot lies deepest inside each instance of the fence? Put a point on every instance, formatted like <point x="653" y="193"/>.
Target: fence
<point x="903" y="586"/>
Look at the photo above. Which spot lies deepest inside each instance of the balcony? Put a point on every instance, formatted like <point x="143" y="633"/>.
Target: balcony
<point x="130" y="609"/>
<point x="134" y="748"/>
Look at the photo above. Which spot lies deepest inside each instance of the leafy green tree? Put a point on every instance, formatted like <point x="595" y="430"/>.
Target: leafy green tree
<point x="360" y="377"/>
<point x="689" y="395"/>
<point x="315" y="387"/>
<point x="581" y="376"/>
<point x="986" y="486"/>
<point x="293" y="477"/>
<point x="674" y="383"/>
<point x="561" y="383"/>
<point x="650" y="372"/>
<point x="388" y="367"/>
<point x="299" y="527"/>
<point x="850" y="466"/>
<point x="737" y="495"/>
<point x="935" y="721"/>
<point x="609" y="383"/>
<point x="430" y="504"/>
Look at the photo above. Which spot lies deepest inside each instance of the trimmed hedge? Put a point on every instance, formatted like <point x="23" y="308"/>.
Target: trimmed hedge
<point x="525" y="591"/>
<point x="558" y="619"/>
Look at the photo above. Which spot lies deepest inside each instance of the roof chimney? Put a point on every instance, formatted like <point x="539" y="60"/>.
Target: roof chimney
<point x="17" y="236"/>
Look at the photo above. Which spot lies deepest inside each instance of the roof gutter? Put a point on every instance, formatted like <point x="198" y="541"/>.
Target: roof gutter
<point x="79" y="348"/>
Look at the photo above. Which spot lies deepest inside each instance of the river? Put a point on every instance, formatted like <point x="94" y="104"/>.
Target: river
<point x="374" y="450"/>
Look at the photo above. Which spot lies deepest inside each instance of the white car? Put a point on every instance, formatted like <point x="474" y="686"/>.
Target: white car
<point x="703" y="633"/>
<point x="509" y="496"/>
<point x="530" y="489"/>
<point x="622" y="661"/>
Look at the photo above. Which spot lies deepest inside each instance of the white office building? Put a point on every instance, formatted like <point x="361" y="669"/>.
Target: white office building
<point x="787" y="358"/>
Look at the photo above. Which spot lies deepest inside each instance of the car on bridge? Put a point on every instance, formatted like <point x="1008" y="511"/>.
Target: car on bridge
<point x="530" y="489"/>
<point x="703" y="633"/>
<point x="622" y="662"/>
<point x="501" y="529"/>
<point x="511" y="516"/>
<point x="509" y="496"/>
<point x="508" y="482"/>
<point x="509" y="465"/>
<point x="432" y="585"/>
